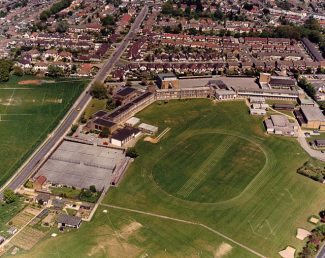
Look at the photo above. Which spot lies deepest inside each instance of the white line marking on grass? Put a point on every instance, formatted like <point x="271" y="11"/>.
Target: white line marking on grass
<point x="186" y="222"/>
<point x="207" y="165"/>
<point x="9" y="103"/>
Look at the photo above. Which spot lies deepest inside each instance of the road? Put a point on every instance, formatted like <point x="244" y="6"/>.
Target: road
<point x="321" y="253"/>
<point x="304" y="144"/>
<point x="25" y="172"/>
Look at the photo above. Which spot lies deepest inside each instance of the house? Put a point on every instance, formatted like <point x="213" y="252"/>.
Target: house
<point x="39" y="182"/>
<point x="69" y="221"/>
<point x="42" y="198"/>
<point x="280" y="125"/>
<point x="124" y="135"/>
<point x="58" y="204"/>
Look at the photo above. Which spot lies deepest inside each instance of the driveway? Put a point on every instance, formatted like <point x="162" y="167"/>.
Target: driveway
<point x="304" y="144"/>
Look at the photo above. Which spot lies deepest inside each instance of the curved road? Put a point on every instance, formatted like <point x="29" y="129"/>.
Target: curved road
<point x="26" y="171"/>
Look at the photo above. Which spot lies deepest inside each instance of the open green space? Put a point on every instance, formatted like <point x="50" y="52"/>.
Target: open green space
<point x="262" y="211"/>
<point x="28" y="113"/>
<point x="125" y="234"/>
<point x="7" y="212"/>
<point x="67" y="192"/>
<point x="209" y="167"/>
<point x="94" y="106"/>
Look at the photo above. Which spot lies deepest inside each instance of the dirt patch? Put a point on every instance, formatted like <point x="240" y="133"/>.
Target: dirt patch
<point x="130" y="229"/>
<point x="32" y="211"/>
<point x="222" y="250"/>
<point x="114" y="247"/>
<point x="30" y="82"/>
<point x="27" y="238"/>
<point x="150" y="139"/>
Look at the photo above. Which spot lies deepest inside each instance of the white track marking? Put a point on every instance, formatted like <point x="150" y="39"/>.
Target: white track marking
<point x="207" y="165"/>
<point x="186" y="222"/>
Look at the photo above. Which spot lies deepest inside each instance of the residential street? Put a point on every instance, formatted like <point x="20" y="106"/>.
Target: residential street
<point x="20" y="178"/>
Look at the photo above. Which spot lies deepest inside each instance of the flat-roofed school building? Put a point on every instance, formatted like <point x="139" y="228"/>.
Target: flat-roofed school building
<point x="310" y="117"/>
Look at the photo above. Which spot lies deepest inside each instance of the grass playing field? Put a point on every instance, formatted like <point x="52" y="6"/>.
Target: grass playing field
<point x="216" y="168"/>
<point x="27" y="114"/>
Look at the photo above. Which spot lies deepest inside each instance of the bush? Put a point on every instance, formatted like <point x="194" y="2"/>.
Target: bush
<point x="92" y="188"/>
<point x="9" y="196"/>
<point x="132" y="153"/>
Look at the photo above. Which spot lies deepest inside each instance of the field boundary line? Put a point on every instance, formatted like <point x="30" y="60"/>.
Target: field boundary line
<point x="186" y="222"/>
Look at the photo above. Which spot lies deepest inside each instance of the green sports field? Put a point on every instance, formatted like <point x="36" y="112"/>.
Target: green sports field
<point x="28" y="113"/>
<point x="215" y="168"/>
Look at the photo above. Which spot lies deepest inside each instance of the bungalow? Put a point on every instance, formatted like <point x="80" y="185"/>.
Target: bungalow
<point x="69" y="221"/>
<point x="42" y="199"/>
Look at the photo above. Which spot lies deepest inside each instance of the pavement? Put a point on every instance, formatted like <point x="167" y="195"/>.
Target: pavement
<point x="304" y="144"/>
<point x="38" y="157"/>
<point x="321" y="253"/>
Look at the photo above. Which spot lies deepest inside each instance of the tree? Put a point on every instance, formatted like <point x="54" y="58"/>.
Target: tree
<point x="108" y="20"/>
<point x="105" y="132"/>
<point x="312" y="24"/>
<point x="199" y="6"/>
<point x="54" y="71"/>
<point x="9" y="196"/>
<point x="18" y="71"/>
<point x="307" y="87"/>
<point x="62" y="26"/>
<point x="5" y="67"/>
<point x="98" y="90"/>
<point x="132" y="153"/>
<point x="167" y="8"/>
<point x="92" y="188"/>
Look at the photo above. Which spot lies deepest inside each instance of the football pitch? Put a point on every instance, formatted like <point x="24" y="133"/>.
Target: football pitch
<point x="215" y="186"/>
<point x="28" y="113"/>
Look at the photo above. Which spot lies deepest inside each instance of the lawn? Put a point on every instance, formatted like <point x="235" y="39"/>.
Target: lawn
<point x="220" y="167"/>
<point x="67" y="192"/>
<point x="124" y="234"/>
<point x="7" y="212"/>
<point x="250" y="190"/>
<point x="28" y="113"/>
<point x="94" y="106"/>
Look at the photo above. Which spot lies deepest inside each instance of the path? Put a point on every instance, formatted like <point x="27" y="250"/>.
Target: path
<point x="186" y="222"/>
<point x="304" y="144"/>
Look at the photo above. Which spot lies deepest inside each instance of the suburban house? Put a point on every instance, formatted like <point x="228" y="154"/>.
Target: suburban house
<point x="69" y="221"/>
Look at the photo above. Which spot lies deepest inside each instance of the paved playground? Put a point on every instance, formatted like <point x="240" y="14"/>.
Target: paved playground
<point x="81" y="165"/>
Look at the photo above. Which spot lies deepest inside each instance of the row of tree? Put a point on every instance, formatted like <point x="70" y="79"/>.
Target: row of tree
<point x="54" y="9"/>
<point x="5" y="68"/>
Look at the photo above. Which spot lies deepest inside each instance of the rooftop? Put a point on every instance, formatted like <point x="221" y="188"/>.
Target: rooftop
<point x="69" y="220"/>
<point x="312" y="113"/>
